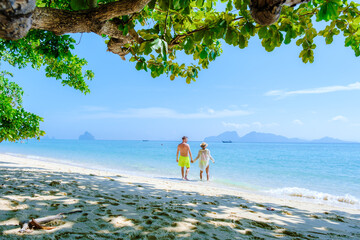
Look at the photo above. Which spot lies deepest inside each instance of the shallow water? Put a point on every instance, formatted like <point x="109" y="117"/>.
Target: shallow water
<point x="312" y="172"/>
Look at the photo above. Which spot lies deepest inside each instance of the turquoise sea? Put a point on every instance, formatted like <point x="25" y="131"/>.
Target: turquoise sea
<point x="325" y="173"/>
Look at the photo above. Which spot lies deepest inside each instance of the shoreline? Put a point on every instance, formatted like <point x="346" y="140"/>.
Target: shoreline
<point x="78" y="168"/>
<point x="342" y="201"/>
<point x="116" y="206"/>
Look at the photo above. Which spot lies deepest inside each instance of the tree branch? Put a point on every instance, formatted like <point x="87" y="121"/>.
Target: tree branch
<point x="175" y="40"/>
<point x="94" y="20"/>
<point x="117" y="46"/>
<point x="64" y="21"/>
<point x="16" y="25"/>
<point x="119" y="8"/>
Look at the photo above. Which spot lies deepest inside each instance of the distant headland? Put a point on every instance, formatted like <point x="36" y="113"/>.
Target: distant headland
<point x="258" y="137"/>
<point x="86" y="136"/>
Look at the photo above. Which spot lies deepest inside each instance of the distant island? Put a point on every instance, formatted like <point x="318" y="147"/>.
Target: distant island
<point x="86" y="136"/>
<point x="257" y="137"/>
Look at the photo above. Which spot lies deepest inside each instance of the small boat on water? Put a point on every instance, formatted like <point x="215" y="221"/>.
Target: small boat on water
<point x="228" y="141"/>
<point x="145" y="140"/>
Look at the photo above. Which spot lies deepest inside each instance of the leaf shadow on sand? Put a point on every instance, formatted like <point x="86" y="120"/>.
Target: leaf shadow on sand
<point x="114" y="209"/>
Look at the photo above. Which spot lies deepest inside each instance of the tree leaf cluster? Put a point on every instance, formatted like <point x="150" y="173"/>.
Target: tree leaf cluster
<point x="198" y="29"/>
<point x="38" y="49"/>
<point x="16" y="123"/>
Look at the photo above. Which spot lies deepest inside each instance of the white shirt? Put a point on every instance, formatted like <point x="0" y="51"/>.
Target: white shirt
<point x="204" y="155"/>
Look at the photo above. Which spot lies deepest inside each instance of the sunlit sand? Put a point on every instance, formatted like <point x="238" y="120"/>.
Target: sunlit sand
<point x="131" y="207"/>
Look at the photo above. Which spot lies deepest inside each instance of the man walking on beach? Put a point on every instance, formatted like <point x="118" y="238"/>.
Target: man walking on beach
<point x="184" y="160"/>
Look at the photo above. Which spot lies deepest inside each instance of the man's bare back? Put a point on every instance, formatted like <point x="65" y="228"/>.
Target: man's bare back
<point x="184" y="161"/>
<point x="184" y="149"/>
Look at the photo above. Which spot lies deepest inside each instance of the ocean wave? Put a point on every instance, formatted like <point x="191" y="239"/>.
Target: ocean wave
<point x="304" y="193"/>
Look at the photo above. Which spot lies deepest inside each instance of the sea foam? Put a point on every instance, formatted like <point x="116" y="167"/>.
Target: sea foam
<point x="306" y="194"/>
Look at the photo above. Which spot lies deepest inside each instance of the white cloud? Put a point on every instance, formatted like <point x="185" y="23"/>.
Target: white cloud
<point x="281" y="93"/>
<point x="157" y="112"/>
<point x="339" y="118"/>
<point x="235" y="125"/>
<point x="264" y="125"/>
<point x="298" y="122"/>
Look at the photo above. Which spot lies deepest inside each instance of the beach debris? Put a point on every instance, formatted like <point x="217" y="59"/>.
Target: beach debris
<point x="111" y="179"/>
<point x="270" y="209"/>
<point x="243" y="206"/>
<point x="28" y="226"/>
<point x="286" y="212"/>
<point x="55" y="183"/>
<point x="248" y="232"/>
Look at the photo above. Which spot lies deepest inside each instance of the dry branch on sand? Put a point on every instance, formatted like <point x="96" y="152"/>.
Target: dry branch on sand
<point x="27" y="226"/>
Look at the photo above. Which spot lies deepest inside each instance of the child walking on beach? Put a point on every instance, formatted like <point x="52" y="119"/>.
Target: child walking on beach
<point x="204" y="155"/>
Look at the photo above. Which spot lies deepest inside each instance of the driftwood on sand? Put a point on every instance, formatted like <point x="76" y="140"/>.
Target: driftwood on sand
<point x="36" y="223"/>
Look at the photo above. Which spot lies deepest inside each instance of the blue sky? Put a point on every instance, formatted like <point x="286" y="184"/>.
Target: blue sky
<point x="243" y="90"/>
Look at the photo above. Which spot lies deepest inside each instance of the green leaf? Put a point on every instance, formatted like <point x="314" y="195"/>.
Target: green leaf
<point x="176" y="4"/>
<point x="348" y="41"/>
<point x="329" y="39"/>
<point x="125" y="30"/>
<point x="229" y="6"/>
<point x="242" y="42"/>
<point x="263" y="32"/>
<point x="199" y="36"/>
<point x="164" y="50"/>
<point x="203" y="54"/>
<point x="184" y="3"/>
<point x="329" y="10"/>
<point x="200" y="3"/>
<point x="231" y="37"/>
<point x="188" y="44"/>
<point x="139" y="66"/>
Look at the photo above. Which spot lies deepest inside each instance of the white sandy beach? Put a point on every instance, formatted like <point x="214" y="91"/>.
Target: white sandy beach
<point x="132" y="207"/>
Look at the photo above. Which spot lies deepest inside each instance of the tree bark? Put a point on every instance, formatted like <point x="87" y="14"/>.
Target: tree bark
<point x="90" y="20"/>
<point x="266" y="12"/>
<point x="17" y="17"/>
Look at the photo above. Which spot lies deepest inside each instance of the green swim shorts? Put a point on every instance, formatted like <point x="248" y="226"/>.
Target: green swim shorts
<point x="184" y="161"/>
